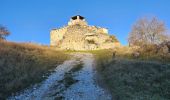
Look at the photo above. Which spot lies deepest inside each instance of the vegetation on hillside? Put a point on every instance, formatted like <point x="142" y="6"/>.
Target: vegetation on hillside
<point x="22" y="65"/>
<point x="133" y="79"/>
<point x="140" y="71"/>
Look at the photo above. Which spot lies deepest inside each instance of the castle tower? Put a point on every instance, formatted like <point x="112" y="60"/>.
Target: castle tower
<point x="80" y="20"/>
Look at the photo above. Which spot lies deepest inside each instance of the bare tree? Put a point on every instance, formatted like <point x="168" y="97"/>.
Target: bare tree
<point x="147" y="31"/>
<point x="3" y="32"/>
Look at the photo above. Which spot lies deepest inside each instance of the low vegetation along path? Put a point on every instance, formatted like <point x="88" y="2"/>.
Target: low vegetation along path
<point x="72" y="80"/>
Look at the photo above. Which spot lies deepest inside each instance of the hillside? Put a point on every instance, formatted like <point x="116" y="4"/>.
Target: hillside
<point x="127" y="77"/>
<point x="117" y="70"/>
<point x="23" y="64"/>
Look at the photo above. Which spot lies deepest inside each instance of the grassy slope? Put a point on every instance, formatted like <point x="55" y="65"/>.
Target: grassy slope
<point x="130" y="79"/>
<point x="22" y="65"/>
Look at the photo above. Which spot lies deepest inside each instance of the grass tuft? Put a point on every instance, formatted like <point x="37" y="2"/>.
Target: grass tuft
<point x="77" y="67"/>
<point x="68" y="79"/>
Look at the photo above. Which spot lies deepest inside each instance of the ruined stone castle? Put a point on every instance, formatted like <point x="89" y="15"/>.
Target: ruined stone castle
<point x="78" y="35"/>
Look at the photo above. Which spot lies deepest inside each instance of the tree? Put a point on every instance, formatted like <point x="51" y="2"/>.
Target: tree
<point x="147" y="31"/>
<point x="3" y="32"/>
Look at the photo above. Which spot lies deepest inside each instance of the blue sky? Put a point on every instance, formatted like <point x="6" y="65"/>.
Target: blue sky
<point x="32" y="20"/>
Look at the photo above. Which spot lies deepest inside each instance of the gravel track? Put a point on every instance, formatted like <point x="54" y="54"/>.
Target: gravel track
<point x="52" y="88"/>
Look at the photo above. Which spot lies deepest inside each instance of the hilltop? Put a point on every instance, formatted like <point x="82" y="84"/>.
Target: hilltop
<point x="78" y="35"/>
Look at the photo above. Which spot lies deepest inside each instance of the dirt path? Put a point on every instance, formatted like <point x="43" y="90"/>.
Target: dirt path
<point x="72" y="80"/>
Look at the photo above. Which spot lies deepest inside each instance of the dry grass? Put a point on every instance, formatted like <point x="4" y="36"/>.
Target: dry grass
<point x="22" y="65"/>
<point x="68" y="79"/>
<point x="77" y="67"/>
<point x="146" y="54"/>
<point x="133" y="79"/>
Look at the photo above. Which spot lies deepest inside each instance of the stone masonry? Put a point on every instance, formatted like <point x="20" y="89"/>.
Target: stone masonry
<point x="78" y="35"/>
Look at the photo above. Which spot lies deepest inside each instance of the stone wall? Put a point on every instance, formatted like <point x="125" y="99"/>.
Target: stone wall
<point x="57" y="35"/>
<point x="74" y="22"/>
<point x="80" y="37"/>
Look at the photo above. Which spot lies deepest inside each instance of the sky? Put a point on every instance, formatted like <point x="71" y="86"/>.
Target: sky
<point x="32" y="20"/>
